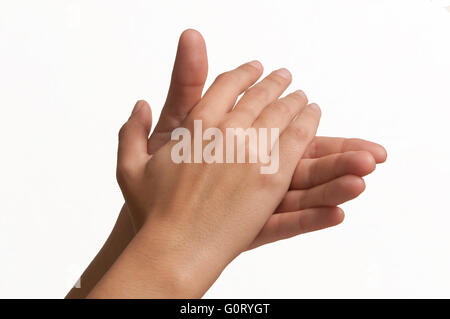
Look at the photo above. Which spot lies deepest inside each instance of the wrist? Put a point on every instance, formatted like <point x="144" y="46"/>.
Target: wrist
<point x="185" y="267"/>
<point x="162" y="266"/>
<point x="144" y="271"/>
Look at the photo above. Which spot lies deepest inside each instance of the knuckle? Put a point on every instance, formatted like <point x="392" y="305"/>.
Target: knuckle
<point x="311" y="174"/>
<point x="284" y="108"/>
<point x="301" y="132"/>
<point x="259" y="91"/>
<point x="229" y="123"/>
<point x="197" y="115"/>
<point x="249" y="113"/>
<point x="200" y="114"/>
<point x="226" y="77"/>
<point x="326" y="193"/>
<point x="300" y="226"/>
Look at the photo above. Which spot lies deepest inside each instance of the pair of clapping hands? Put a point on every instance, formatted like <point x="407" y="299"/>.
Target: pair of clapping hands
<point x="192" y="219"/>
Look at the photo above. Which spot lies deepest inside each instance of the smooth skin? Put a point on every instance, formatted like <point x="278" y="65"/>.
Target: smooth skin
<point x="328" y="174"/>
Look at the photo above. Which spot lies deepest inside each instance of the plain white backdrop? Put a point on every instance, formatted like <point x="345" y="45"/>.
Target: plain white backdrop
<point x="71" y="71"/>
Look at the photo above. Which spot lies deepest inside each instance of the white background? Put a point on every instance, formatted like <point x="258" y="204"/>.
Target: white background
<point x="70" y="72"/>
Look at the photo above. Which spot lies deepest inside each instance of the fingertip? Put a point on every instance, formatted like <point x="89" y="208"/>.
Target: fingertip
<point x="193" y="41"/>
<point x="283" y="73"/>
<point x="143" y="103"/>
<point x="378" y="151"/>
<point x="316" y="107"/>
<point x="382" y="154"/>
<point x="142" y="115"/>
<point x="302" y="95"/>
<point x="361" y="163"/>
<point x="191" y="62"/>
<point x="141" y="106"/>
<point x="146" y="105"/>
<point x="369" y="161"/>
<point x="133" y="135"/>
<point x="339" y="215"/>
<point x="361" y="185"/>
<point x="257" y="65"/>
<point x="355" y="185"/>
<point x="330" y="216"/>
<point x="190" y="35"/>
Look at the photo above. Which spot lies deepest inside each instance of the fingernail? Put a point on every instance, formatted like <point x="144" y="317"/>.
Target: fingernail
<point x="137" y="107"/>
<point x="301" y="93"/>
<point x="315" y="106"/>
<point x="284" y="73"/>
<point x="256" y="64"/>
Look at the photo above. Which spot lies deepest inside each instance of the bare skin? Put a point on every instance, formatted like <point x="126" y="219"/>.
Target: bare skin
<point x="325" y="173"/>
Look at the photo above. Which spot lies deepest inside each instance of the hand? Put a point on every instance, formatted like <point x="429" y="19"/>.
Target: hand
<point x="213" y="211"/>
<point x="188" y="79"/>
<point x="329" y="175"/>
<point x="319" y="148"/>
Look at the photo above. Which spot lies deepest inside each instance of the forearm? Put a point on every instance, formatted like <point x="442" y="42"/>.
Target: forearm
<point x="121" y="235"/>
<point x="158" y="265"/>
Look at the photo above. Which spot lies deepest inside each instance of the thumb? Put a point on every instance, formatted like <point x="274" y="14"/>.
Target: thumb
<point x="132" y="153"/>
<point x="188" y="78"/>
